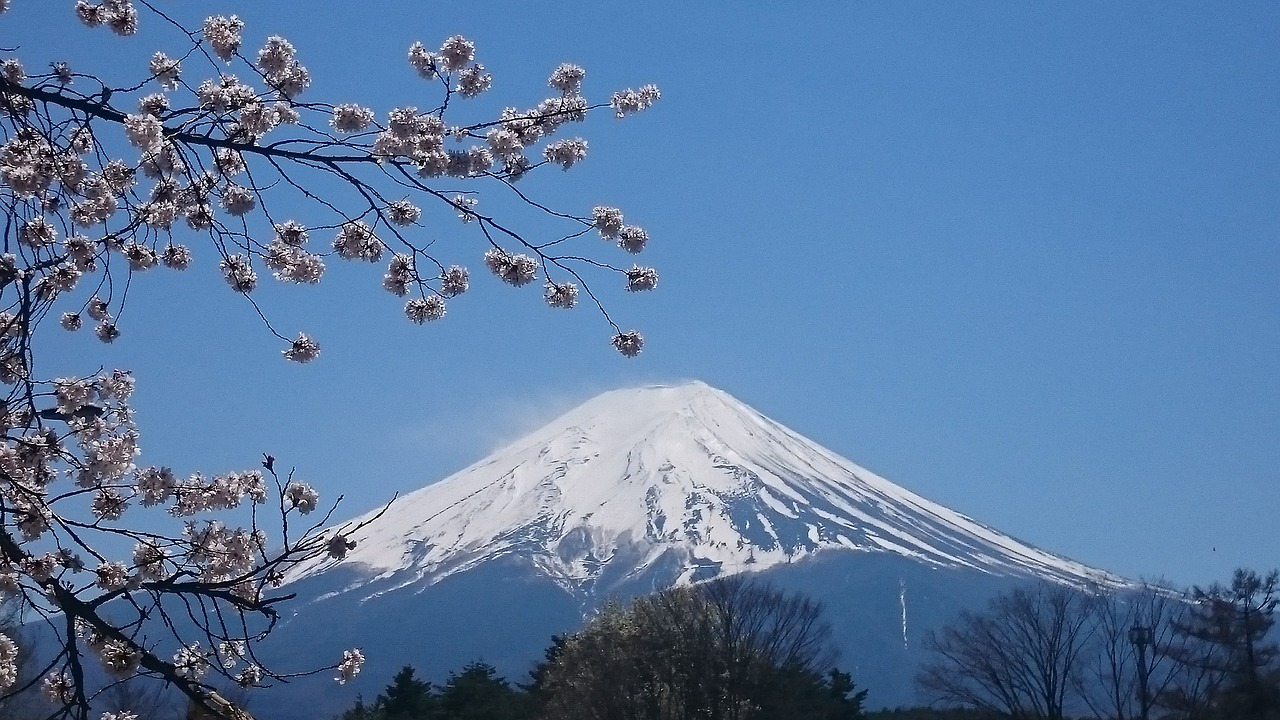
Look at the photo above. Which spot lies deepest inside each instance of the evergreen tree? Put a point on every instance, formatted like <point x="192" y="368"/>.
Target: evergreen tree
<point x="478" y="693"/>
<point x="359" y="711"/>
<point x="807" y="695"/>
<point x="844" y="699"/>
<point x="536" y="690"/>
<point x="406" y="698"/>
<point x="1228" y="653"/>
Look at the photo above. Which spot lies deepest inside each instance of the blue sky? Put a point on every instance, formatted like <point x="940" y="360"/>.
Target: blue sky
<point x="1019" y="258"/>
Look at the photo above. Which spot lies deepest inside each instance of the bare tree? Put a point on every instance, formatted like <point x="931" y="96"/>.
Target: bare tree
<point x="1129" y="663"/>
<point x="102" y="180"/>
<point x="1021" y="657"/>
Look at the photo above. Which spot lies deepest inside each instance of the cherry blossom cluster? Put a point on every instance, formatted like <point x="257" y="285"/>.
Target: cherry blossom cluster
<point x="629" y="343"/>
<point x="352" y="662"/>
<point x="95" y="453"/>
<point x="561" y="295"/>
<point x="8" y="661"/>
<point x="240" y="115"/>
<point x="188" y="164"/>
<point x="120" y="15"/>
<point x="120" y="658"/>
<point x="279" y="65"/>
<point x="517" y="269"/>
<point x="58" y="688"/>
<point x="633" y="101"/>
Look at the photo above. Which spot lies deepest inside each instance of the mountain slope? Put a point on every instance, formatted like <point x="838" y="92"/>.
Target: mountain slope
<point x="635" y="491"/>
<point x="658" y="485"/>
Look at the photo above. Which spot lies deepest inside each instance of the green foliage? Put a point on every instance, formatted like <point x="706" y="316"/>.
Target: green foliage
<point x="843" y="699"/>
<point x="537" y="689"/>
<point x="406" y="698"/>
<point x="806" y="695"/>
<point x="359" y="711"/>
<point x="476" y="693"/>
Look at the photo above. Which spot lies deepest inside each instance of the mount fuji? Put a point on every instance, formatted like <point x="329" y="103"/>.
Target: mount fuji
<point x="635" y="491"/>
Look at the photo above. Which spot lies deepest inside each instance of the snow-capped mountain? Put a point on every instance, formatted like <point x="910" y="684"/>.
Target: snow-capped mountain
<point x="635" y="491"/>
<point x="683" y="480"/>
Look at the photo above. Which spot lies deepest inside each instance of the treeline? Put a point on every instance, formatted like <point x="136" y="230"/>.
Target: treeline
<point x="926" y="713"/>
<point x="479" y="693"/>
<point x="731" y="648"/>
<point x="738" y="649"/>
<point x="476" y="692"/>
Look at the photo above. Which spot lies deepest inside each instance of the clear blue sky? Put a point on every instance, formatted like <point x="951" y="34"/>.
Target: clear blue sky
<point x="1018" y="257"/>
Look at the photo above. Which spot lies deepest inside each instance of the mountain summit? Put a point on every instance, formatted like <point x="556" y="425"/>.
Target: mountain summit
<point x="632" y="492"/>
<point x="643" y="488"/>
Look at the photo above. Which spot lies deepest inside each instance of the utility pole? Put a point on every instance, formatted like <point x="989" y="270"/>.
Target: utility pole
<point x="1140" y="636"/>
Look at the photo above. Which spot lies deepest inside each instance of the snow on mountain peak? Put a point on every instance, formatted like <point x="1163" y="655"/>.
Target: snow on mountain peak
<point x="684" y="478"/>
